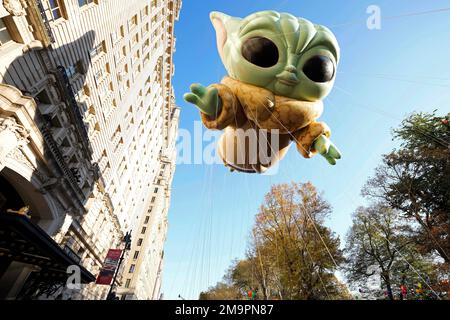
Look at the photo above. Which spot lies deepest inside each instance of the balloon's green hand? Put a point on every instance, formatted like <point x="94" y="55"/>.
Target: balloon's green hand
<point x="205" y="98"/>
<point x="327" y="149"/>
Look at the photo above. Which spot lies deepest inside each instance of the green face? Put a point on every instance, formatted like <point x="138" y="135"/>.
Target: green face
<point x="287" y="55"/>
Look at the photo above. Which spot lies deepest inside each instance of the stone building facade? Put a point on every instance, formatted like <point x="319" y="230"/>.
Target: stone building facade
<point x="87" y="130"/>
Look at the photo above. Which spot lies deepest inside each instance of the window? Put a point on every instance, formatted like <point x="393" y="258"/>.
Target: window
<point x="72" y="70"/>
<point x="84" y="2"/>
<point x="143" y="230"/>
<point x="135" y="38"/>
<point x="145" y="11"/>
<point x="122" y="91"/>
<point x="86" y="90"/>
<point x="116" y="134"/>
<point x="91" y="110"/>
<point x="98" y="76"/>
<point x="117" y="35"/>
<point x="43" y="97"/>
<point x="101" y="47"/>
<point x="56" y="122"/>
<point x="102" y="73"/>
<point x="114" y="37"/>
<point x="79" y="97"/>
<point x="134" y="20"/>
<point x="146" y="44"/>
<point x="132" y="268"/>
<point x="53" y="9"/>
<point x="146" y="28"/>
<point x="139" y="243"/>
<point x="136" y="55"/>
<point x="146" y="219"/>
<point x="127" y="283"/>
<point x="136" y="255"/>
<point x="5" y="37"/>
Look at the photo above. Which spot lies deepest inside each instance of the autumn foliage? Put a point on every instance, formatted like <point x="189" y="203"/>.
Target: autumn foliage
<point x="398" y="246"/>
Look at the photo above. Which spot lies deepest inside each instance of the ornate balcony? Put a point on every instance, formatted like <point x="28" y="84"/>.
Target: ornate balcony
<point x="74" y="110"/>
<point x="40" y="22"/>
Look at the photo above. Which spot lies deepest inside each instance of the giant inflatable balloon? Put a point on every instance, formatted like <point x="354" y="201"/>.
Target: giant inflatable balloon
<point x="280" y="68"/>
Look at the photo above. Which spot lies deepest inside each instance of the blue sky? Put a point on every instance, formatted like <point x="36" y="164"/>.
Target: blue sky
<point x="383" y="76"/>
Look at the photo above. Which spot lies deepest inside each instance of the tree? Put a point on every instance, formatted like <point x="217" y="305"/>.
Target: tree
<point x="415" y="179"/>
<point x="292" y="254"/>
<point x="238" y="280"/>
<point x="221" y="291"/>
<point x="245" y="276"/>
<point x="295" y="254"/>
<point x="379" y="244"/>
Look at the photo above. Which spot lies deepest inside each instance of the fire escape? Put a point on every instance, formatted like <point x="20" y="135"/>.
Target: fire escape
<point x="43" y="32"/>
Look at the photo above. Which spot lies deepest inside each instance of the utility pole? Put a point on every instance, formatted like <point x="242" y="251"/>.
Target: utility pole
<point x="127" y="240"/>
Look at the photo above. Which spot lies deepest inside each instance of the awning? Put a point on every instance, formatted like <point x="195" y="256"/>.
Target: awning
<point x="24" y="241"/>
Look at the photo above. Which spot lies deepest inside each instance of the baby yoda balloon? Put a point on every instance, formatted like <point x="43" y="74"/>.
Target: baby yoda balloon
<point x="280" y="68"/>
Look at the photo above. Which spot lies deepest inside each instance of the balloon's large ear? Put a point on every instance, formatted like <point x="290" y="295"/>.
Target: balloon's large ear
<point x="218" y="20"/>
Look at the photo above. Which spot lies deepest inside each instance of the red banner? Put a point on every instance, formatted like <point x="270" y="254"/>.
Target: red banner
<point x="109" y="267"/>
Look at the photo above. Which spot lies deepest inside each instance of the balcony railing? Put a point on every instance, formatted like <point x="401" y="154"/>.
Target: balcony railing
<point x="39" y="20"/>
<point x="56" y="152"/>
<point x="72" y="254"/>
<point x="45" y="21"/>
<point x="74" y="109"/>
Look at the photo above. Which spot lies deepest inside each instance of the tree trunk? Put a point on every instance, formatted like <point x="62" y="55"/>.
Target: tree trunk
<point x="389" y="288"/>
<point x="387" y="281"/>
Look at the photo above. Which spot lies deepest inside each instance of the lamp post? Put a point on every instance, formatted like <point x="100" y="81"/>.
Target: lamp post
<point x="127" y="240"/>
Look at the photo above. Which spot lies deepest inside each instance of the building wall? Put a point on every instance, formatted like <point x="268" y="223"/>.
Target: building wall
<point x="142" y="274"/>
<point x="101" y="121"/>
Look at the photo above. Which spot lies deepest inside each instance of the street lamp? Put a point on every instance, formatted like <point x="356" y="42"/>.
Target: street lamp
<point x="127" y="241"/>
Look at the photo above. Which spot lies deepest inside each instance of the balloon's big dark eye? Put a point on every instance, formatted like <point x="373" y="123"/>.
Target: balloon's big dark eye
<point x="260" y="51"/>
<point x="319" y="69"/>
